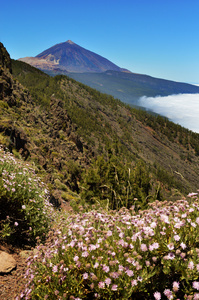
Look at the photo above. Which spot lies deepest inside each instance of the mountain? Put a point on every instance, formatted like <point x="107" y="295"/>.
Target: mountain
<point x="89" y="147"/>
<point x="97" y="72"/>
<point x="70" y="57"/>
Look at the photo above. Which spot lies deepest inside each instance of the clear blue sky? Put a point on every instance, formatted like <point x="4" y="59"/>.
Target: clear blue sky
<point x="154" y="37"/>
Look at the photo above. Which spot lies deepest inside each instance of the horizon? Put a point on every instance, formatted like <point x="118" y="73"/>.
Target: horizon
<point x="152" y="38"/>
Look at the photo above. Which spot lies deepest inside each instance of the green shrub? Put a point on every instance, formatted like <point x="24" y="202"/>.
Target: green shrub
<point x="117" y="183"/>
<point x="25" y="209"/>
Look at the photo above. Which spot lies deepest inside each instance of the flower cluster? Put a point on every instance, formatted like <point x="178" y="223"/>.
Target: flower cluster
<point x="25" y="208"/>
<point x="112" y="255"/>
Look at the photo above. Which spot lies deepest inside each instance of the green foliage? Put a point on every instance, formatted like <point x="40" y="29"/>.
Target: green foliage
<point x="25" y="210"/>
<point x="110" y="180"/>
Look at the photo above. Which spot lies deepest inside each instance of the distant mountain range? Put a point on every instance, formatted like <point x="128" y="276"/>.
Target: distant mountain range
<point x="98" y="72"/>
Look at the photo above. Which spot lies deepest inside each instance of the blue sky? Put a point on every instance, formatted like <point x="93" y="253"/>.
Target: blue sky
<point x="154" y="37"/>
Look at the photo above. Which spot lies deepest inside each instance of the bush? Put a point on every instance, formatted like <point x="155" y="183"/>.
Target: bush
<point x="25" y="209"/>
<point x="117" y="183"/>
<point x="120" y="255"/>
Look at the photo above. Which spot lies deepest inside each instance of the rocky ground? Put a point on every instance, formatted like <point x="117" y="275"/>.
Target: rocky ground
<point x="12" y="282"/>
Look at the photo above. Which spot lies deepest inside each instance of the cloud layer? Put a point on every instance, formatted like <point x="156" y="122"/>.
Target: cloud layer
<point x="182" y="109"/>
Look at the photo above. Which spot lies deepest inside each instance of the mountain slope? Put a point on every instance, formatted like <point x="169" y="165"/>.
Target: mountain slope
<point x="70" y="57"/>
<point x="97" y="72"/>
<point x="83" y="141"/>
<point x="129" y="87"/>
<point x="103" y="121"/>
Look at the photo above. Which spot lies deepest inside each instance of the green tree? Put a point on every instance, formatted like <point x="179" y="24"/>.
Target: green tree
<point x="116" y="182"/>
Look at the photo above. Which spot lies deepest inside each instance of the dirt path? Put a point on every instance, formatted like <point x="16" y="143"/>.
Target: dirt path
<point x="12" y="284"/>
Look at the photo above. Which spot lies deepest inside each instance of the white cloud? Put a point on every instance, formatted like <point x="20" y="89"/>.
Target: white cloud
<point x="182" y="108"/>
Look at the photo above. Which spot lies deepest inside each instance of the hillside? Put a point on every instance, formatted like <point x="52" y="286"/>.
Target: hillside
<point x="129" y="87"/>
<point x="90" y="146"/>
<point x="101" y="74"/>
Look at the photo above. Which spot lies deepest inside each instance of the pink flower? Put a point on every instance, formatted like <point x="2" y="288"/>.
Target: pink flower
<point x="153" y="225"/>
<point x="134" y="282"/>
<point x="120" y="268"/>
<point x="105" y="268"/>
<point x="171" y="256"/>
<point x="85" y="254"/>
<point x="107" y="281"/>
<point x="183" y="246"/>
<point x="196" y="285"/>
<point x="54" y="269"/>
<point x="76" y="258"/>
<point x="16" y="224"/>
<point x="96" y="265"/>
<point x="147" y="262"/>
<point x="109" y="233"/>
<point x="157" y="296"/>
<point x="129" y="273"/>
<point x="121" y="235"/>
<point x="143" y="247"/>
<point x="114" y="287"/>
<point x="192" y="194"/>
<point x="92" y="247"/>
<point x="165" y="219"/>
<point x="114" y="275"/>
<point x="72" y="244"/>
<point x="176" y="286"/>
<point x="179" y="224"/>
<point x="85" y="275"/>
<point x="101" y="285"/>
<point x="191" y="265"/>
<point x="170" y="246"/>
<point x="176" y="237"/>
<point x="153" y="246"/>
<point x="196" y="296"/>
<point x="168" y="294"/>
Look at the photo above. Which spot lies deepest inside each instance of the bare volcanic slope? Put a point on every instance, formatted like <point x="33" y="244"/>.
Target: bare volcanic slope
<point x="71" y="57"/>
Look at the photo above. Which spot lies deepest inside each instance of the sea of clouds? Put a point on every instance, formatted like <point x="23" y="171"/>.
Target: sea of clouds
<point x="182" y="109"/>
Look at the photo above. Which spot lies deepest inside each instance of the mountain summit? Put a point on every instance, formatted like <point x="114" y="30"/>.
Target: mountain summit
<point x="101" y="74"/>
<point x="71" y="57"/>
